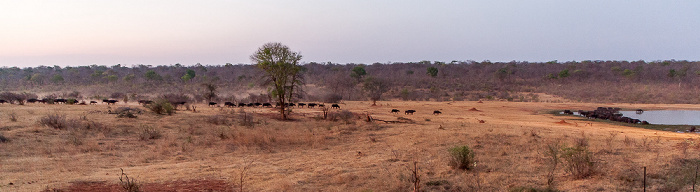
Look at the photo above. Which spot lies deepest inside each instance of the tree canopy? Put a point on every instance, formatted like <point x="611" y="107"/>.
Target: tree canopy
<point x="281" y="71"/>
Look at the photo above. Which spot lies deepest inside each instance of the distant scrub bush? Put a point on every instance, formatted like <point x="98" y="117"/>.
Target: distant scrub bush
<point x="149" y="133"/>
<point x="56" y="121"/>
<point x="332" y="98"/>
<point x="344" y="115"/>
<point x="461" y="157"/>
<point x="161" y="106"/>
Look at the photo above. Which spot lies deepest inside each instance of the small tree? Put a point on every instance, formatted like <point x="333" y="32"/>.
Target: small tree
<point x="152" y="76"/>
<point x="281" y="68"/>
<point x="209" y="91"/>
<point x="374" y="88"/>
<point x="433" y="71"/>
<point x="358" y="72"/>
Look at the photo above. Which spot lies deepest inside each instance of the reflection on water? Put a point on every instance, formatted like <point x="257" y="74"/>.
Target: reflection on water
<point x="667" y="117"/>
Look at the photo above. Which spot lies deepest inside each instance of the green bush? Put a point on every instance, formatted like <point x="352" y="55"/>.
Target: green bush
<point x="461" y="157"/>
<point x="161" y="106"/>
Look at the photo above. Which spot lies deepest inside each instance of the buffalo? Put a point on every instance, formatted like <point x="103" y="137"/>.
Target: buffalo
<point x="241" y="104"/>
<point x="436" y="112"/>
<point x="93" y="102"/>
<point x="267" y="105"/>
<point x="335" y="106"/>
<point x="312" y="105"/>
<point x="395" y="111"/>
<point x="229" y="104"/>
<point x="32" y="100"/>
<point x="112" y="102"/>
<point x="301" y="105"/>
<point x="3" y="101"/>
<point x="212" y="104"/>
<point x="407" y="112"/>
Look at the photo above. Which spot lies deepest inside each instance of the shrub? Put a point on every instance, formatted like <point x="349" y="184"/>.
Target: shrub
<point x="13" y="117"/>
<point x="579" y="161"/>
<point x="129" y="185"/>
<point x="3" y="139"/>
<point x="461" y="157"/>
<point x="344" y="115"/>
<point x="15" y="98"/>
<point x="161" y="106"/>
<point x="148" y="133"/>
<point x="174" y="98"/>
<point x="55" y="121"/>
<point x="332" y="98"/>
<point x="218" y="120"/>
<point x="680" y="174"/>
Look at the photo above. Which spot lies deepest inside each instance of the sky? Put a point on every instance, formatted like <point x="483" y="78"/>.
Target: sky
<point x="213" y="32"/>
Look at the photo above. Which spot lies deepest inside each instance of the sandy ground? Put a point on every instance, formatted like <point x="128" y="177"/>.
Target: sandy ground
<point x="317" y="155"/>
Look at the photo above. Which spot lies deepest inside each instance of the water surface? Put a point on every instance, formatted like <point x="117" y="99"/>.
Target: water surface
<point x="666" y="117"/>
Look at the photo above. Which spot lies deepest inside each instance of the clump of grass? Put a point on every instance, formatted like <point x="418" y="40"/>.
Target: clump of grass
<point x="13" y="117"/>
<point x="149" y="133"/>
<point x="218" y="120"/>
<point x="161" y="106"/>
<point x="56" y="121"/>
<point x="461" y="157"/>
<point x="3" y="139"/>
<point x="128" y="184"/>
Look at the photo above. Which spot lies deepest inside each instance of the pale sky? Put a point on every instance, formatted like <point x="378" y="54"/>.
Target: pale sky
<point x="165" y="32"/>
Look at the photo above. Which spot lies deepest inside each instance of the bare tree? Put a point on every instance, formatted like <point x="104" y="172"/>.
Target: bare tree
<point x="281" y="67"/>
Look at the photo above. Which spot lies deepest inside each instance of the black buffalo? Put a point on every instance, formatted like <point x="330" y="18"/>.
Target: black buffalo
<point x="93" y="102"/>
<point x="436" y="112"/>
<point x="407" y="112"/>
<point x="335" y="106"/>
<point x="212" y="104"/>
<point x="312" y="105"/>
<point x="302" y="105"/>
<point x="395" y="111"/>
<point x="267" y="105"/>
<point x="229" y="104"/>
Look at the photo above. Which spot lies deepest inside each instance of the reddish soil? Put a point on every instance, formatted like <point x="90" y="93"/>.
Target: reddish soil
<point x="171" y="186"/>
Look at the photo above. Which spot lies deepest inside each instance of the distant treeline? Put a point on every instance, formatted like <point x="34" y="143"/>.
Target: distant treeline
<point x="668" y="81"/>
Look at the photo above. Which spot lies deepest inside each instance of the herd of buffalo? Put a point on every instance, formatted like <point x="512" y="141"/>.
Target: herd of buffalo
<point x="608" y="113"/>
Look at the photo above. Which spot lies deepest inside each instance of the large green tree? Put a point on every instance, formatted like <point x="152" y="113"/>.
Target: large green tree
<point x="281" y="69"/>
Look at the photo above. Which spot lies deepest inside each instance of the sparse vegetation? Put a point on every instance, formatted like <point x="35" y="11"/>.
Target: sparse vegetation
<point x="149" y="133"/>
<point x="13" y="116"/>
<point x="128" y="184"/>
<point x="580" y="162"/>
<point x="3" y="139"/>
<point x="161" y="106"/>
<point x="461" y="157"/>
<point x="56" y="121"/>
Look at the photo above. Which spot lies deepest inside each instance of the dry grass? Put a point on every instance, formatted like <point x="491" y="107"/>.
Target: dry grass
<point x="345" y="155"/>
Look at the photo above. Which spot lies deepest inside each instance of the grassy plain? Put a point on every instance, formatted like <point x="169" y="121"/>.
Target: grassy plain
<point x="311" y="154"/>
